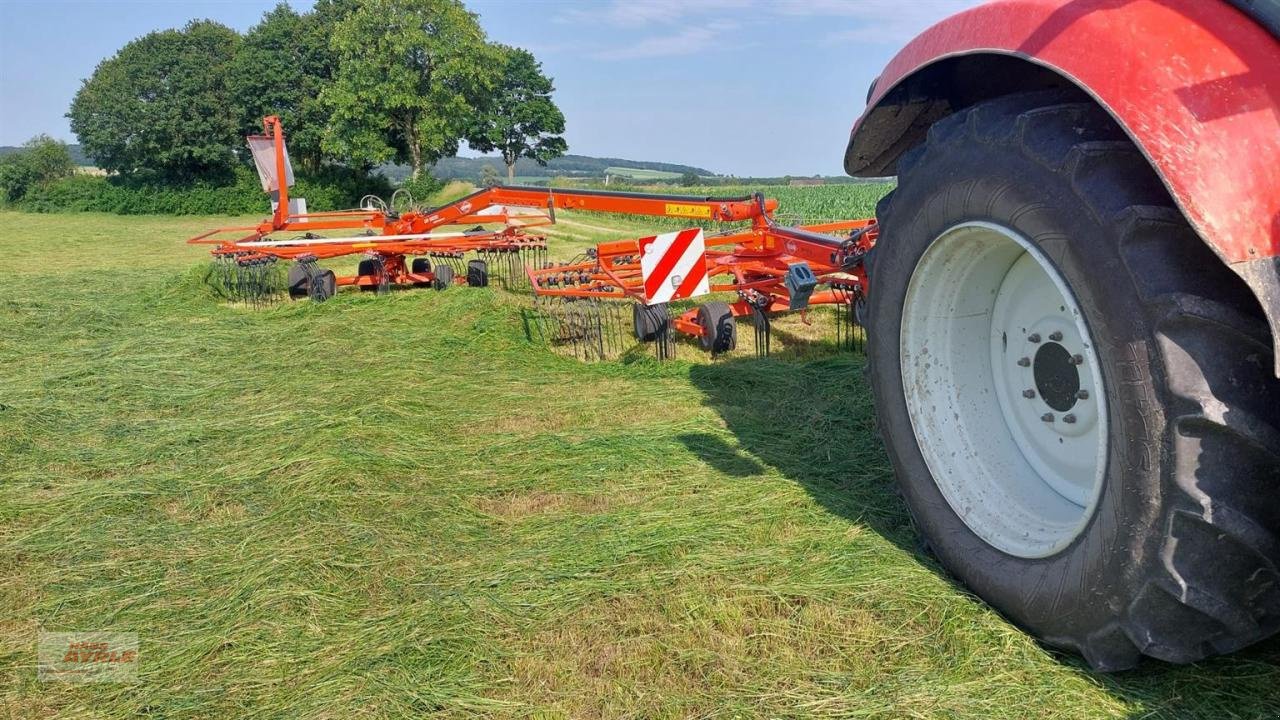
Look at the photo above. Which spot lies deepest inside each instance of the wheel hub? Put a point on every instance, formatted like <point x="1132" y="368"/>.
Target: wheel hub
<point x="1004" y="389"/>
<point x="1056" y="376"/>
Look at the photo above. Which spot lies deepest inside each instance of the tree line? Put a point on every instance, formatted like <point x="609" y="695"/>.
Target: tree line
<point x="357" y="83"/>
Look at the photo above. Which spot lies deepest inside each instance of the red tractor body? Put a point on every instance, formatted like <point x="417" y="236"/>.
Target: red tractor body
<point x="1068" y="309"/>
<point x="1195" y="85"/>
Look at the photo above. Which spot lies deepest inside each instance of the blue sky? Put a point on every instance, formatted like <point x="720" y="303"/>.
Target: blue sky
<point x="748" y="87"/>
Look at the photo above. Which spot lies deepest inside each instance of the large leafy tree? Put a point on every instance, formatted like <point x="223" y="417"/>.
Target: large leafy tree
<point x="280" y="69"/>
<point x="519" y="118"/>
<point x="161" y="106"/>
<point x="42" y="159"/>
<point x="410" y="76"/>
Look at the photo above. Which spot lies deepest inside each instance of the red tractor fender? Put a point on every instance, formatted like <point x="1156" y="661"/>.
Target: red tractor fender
<point x="1195" y="84"/>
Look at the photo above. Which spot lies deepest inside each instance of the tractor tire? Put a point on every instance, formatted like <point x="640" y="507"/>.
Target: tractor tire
<point x="477" y="273"/>
<point x="444" y="277"/>
<point x="722" y="331"/>
<point x="649" y="322"/>
<point x="1075" y="393"/>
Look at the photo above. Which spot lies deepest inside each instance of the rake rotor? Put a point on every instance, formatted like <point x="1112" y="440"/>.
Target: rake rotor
<point x="584" y="328"/>
<point x="771" y="269"/>
<point x="245" y="277"/>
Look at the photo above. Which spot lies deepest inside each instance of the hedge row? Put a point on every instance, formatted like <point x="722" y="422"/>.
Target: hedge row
<point x="334" y="189"/>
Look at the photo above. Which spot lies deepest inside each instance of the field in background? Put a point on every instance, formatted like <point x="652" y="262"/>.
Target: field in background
<point x="399" y="506"/>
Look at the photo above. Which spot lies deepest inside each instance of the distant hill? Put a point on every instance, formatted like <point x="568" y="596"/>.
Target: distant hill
<point x="77" y="155"/>
<point x="464" y="168"/>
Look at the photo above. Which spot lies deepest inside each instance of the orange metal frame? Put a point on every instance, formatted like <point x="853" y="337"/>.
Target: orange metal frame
<point x="753" y="263"/>
<point x="392" y="236"/>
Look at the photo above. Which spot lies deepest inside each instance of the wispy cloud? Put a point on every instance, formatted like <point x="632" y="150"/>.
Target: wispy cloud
<point x="641" y="13"/>
<point x="687" y="27"/>
<point x="886" y="21"/>
<point x="683" y="42"/>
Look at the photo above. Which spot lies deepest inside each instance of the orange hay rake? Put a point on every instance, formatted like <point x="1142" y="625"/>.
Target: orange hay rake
<point x="421" y="247"/>
<point x="771" y="268"/>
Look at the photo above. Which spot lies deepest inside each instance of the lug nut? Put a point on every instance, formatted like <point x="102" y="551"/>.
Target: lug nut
<point x="1076" y="360"/>
<point x="1069" y="419"/>
<point x="1024" y="362"/>
<point x="1055" y="336"/>
<point x="1083" y="395"/>
<point x="1028" y="393"/>
<point x="1033" y="337"/>
<point x="1047" y="417"/>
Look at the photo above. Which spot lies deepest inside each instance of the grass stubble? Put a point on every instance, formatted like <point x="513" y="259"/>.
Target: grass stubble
<point x="390" y="506"/>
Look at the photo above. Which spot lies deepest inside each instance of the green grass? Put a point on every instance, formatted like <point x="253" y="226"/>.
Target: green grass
<point x="398" y="507"/>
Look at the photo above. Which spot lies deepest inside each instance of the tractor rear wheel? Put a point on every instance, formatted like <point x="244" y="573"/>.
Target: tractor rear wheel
<point x="1076" y="394"/>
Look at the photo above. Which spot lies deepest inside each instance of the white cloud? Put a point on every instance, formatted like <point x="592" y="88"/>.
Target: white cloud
<point x="683" y="42"/>
<point x="892" y="22"/>
<point x="639" y="13"/>
<point x="686" y="27"/>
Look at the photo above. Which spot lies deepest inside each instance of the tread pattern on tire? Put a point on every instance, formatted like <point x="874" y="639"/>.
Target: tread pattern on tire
<point x="1216" y="585"/>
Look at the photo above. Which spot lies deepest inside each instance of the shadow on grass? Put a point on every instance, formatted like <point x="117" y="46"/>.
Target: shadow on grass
<point x="814" y="422"/>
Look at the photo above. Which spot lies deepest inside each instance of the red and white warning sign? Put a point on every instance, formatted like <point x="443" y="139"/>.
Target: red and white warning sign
<point x="674" y="266"/>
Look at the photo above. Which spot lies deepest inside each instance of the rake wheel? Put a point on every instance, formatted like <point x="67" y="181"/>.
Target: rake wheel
<point x="420" y="266"/>
<point x="477" y="273"/>
<point x="721" y="334"/>
<point x="373" y="267"/>
<point x="649" y="321"/>
<point x="444" y="277"/>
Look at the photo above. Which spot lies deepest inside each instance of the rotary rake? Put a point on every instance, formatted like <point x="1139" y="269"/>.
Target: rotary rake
<point x="756" y="273"/>
<point x="399" y="244"/>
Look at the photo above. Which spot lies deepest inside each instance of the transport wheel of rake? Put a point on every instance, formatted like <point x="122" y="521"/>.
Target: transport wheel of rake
<point x="444" y="277"/>
<point x="1076" y="395"/>
<point x="420" y="266"/>
<point x="324" y="285"/>
<point x="649" y="322"/>
<point x="298" y="281"/>
<point x="722" y="331"/>
<point x="477" y="273"/>
<point x="373" y="268"/>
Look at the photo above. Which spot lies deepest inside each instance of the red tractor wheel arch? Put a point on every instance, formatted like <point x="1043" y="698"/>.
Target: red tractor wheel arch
<point x="1076" y="392"/>
<point x="1195" y="84"/>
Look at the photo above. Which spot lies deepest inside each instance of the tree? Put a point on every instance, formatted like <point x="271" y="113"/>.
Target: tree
<point x="41" y="159"/>
<point x="410" y="74"/>
<point x="280" y="69"/>
<point x="488" y="175"/>
<point x="160" y="107"/>
<point x="689" y="179"/>
<point x="520" y="119"/>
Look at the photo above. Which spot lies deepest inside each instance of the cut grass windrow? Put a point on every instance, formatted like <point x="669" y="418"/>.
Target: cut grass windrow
<point x="398" y="506"/>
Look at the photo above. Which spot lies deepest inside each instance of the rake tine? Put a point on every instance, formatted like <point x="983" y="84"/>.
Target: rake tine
<point x="665" y="345"/>
<point x="763" y="331"/>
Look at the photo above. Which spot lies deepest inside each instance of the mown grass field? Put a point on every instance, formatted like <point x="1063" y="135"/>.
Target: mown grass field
<point x="398" y="506"/>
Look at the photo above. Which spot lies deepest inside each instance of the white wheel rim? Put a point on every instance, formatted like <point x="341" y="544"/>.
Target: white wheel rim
<point x="1004" y="389"/>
